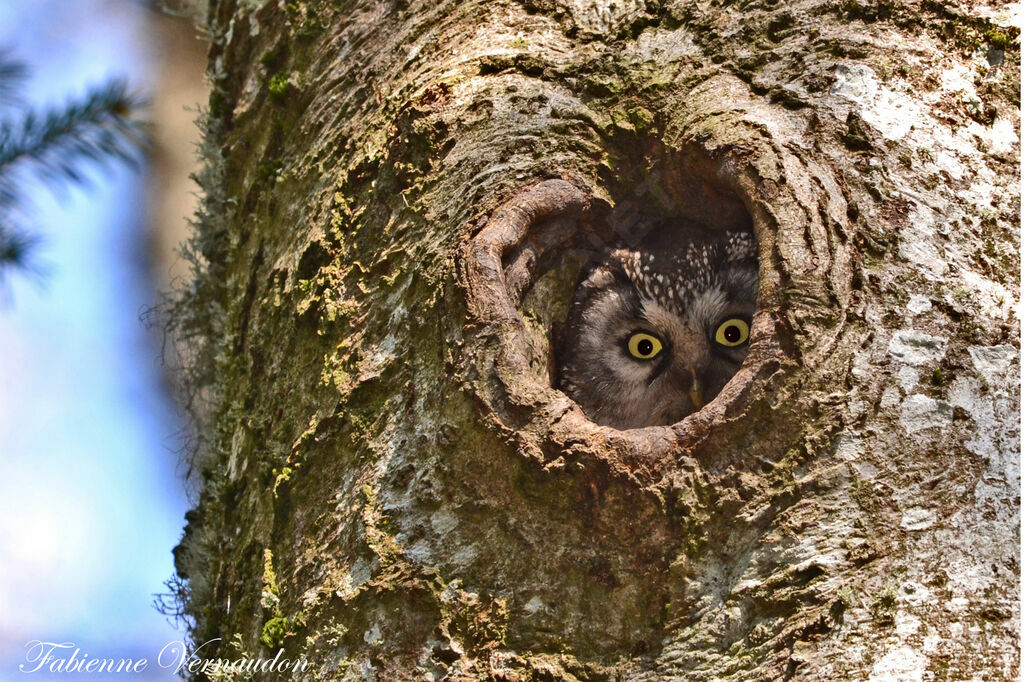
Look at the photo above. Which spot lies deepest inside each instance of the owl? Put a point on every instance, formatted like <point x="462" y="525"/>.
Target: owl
<point x="655" y="331"/>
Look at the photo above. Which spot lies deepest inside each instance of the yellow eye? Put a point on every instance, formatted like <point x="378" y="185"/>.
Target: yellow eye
<point x="644" y="346"/>
<point x="733" y="332"/>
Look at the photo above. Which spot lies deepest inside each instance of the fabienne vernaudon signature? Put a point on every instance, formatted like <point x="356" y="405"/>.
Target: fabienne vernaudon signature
<point x="175" y="657"/>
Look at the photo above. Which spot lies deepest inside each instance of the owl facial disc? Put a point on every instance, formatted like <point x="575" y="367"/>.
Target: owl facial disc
<point x="655" y="331"/>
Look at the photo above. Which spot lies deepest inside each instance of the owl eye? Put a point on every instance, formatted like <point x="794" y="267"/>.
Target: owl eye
<point x="733" y="332"/>
<point x="643" y="346"/>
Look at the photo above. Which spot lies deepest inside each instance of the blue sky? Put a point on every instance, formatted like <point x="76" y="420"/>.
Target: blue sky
<point x="91" y="496"/>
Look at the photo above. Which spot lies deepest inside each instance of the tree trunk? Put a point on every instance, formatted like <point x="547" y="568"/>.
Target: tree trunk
<point x="397" y="196"/>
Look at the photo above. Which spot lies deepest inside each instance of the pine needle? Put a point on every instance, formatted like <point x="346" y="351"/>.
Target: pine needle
<point x="12" y="76"/>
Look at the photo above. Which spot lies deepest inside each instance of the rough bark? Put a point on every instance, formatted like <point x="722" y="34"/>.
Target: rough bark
<point x="395" y="195"/>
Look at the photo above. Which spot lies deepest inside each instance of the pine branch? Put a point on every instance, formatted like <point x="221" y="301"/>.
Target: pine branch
<point x="56" y="146"/>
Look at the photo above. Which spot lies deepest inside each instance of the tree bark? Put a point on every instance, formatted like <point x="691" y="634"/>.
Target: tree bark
<point x="397" y="194"/>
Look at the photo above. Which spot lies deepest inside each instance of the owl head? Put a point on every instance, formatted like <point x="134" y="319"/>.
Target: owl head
<point x="655" y="331"/>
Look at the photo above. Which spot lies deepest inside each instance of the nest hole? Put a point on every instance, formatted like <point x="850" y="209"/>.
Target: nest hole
<point x="682" y="285"/>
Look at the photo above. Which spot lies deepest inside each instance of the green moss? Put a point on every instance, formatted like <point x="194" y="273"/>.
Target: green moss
<point x="621" y="121"/>
<point x="383" y="544"/>
<point x="281" y="476"/>
<point x="271" y="591"/>
<point x="883" y="606"/>
<point x="268" y="169"/>
<point x="274" y="632"/>
<point x="641" y="118"/>
<point x="863" y="494"/>
<point x="278" y="86"/>
<point x="998" y="38"/>
<point x="217" y="103"/>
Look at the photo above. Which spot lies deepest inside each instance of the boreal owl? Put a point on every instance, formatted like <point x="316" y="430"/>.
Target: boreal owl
<point x="655" y="331"/>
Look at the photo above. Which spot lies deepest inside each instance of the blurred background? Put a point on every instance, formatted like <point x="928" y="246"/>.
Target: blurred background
<point x="92" y="487"/>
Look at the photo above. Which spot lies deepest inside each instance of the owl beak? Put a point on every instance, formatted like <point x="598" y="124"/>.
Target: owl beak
<point x="696" y="390"/>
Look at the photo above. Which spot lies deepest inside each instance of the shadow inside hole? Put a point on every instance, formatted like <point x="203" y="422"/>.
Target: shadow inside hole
<point x="641" y="312"/>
